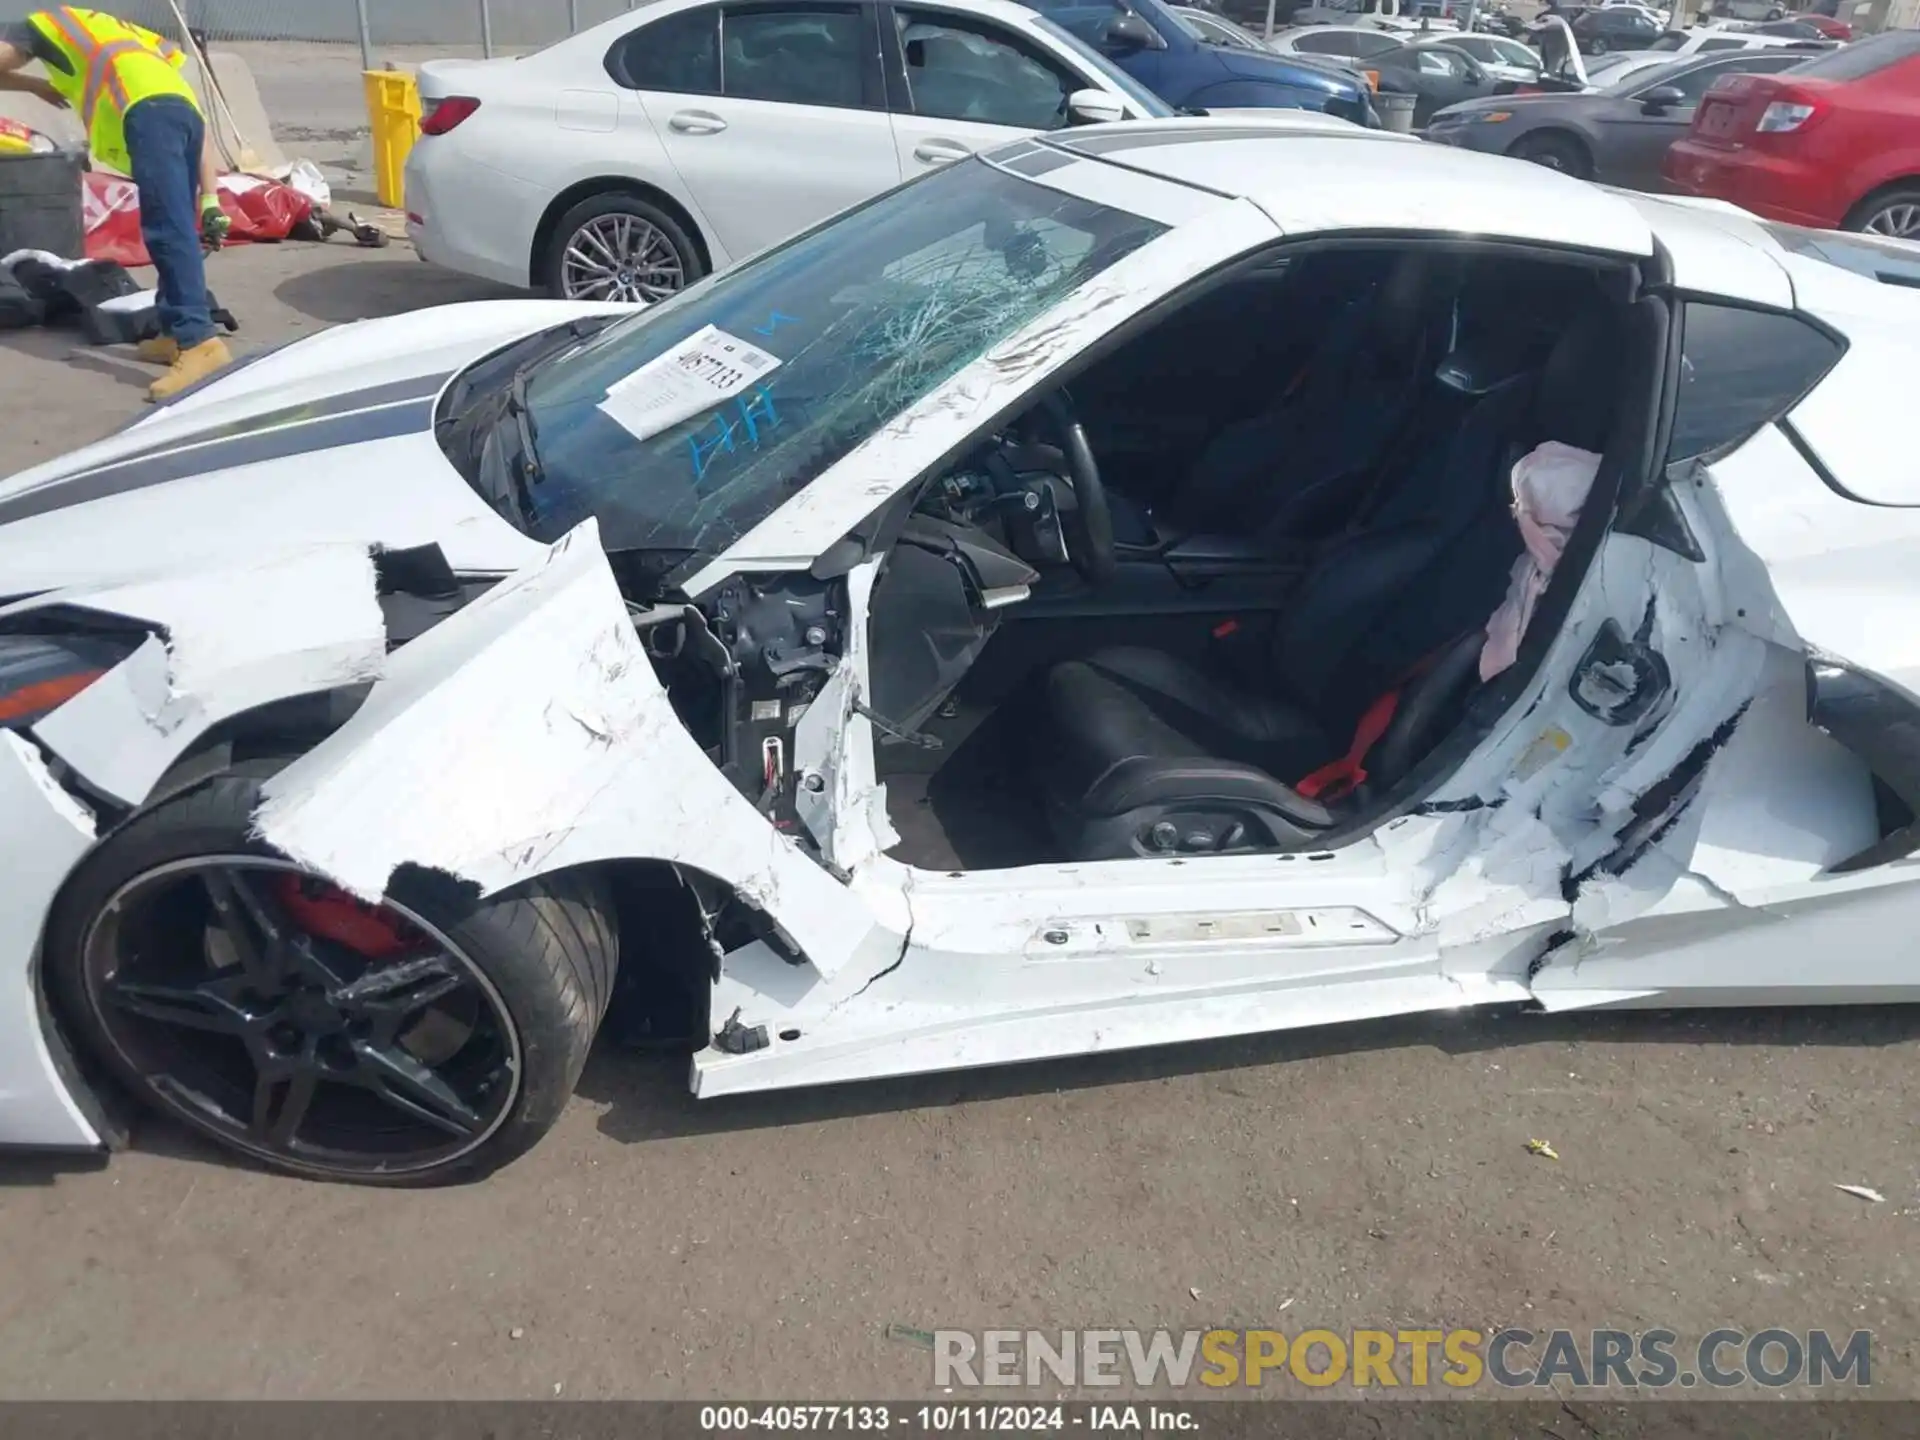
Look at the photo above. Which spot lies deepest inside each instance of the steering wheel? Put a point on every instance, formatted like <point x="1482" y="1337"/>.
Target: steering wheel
<point x="1088" y="526"/>
<point x="1424" y="704"/>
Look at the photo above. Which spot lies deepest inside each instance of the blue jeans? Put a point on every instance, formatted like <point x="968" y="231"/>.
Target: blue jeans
<point x="164" y="135"/>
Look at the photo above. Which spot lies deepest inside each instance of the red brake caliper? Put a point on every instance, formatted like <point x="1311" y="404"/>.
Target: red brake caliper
<point x="330" y="913"/>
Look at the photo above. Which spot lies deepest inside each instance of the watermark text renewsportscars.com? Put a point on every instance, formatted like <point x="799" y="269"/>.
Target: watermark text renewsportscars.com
<point x="1415" y="1359"/>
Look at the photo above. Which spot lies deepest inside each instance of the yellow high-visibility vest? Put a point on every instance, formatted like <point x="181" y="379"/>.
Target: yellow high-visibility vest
<point x="112" y="66"/>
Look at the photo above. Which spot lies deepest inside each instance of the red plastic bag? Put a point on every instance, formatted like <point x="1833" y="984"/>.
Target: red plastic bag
<point x="262" y="211"/>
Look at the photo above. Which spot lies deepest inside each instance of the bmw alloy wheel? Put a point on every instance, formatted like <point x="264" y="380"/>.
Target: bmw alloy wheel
<point x="621" y="258"/>
<point x="286" y="1018"/>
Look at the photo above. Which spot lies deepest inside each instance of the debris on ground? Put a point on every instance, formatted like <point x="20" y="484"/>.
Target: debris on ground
<point x="371" y="237"/>
<point x="1542" y="1148"/>
<point x="908" y="1335"/>
<point x="1862" y="1192"/>
<point x="97" y="297"/>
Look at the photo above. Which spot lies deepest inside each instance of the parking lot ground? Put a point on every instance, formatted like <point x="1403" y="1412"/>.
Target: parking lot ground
<point x="654" y="1246"/>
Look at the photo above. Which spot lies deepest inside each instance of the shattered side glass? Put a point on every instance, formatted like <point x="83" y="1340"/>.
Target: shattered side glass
<point x="864" y="316"/>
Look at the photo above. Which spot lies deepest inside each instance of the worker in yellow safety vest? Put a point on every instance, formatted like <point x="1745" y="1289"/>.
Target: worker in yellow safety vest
<point x="141" y="118"/>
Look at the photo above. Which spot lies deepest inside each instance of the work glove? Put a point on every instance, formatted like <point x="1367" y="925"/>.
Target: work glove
<point x="214" y="225"/>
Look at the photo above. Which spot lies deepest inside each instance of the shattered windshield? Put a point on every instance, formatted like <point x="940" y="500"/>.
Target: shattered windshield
<point x="683" y="428"/>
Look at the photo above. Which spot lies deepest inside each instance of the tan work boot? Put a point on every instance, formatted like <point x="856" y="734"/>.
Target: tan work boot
<point x="191" y="365"/>
<point x="161" y="350"/>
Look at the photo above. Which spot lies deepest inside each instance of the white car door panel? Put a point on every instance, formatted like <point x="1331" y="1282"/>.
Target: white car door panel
<point x="762" y="171"/>
<point x="771" y="114"/>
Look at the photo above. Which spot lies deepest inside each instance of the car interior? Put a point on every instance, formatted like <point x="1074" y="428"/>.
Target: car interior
<point x="1157" y="613"/>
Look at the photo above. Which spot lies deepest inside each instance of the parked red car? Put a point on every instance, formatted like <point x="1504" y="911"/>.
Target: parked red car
<point x="1833" y="143"/>
<point x="1829" y="27"/>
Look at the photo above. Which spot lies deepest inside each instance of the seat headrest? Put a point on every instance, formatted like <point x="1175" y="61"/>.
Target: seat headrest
<point x="1579" y="387"/>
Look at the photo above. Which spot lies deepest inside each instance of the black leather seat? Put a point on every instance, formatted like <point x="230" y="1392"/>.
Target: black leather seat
<point x="1277" y="472"/>
<point x="1141" y="751"/>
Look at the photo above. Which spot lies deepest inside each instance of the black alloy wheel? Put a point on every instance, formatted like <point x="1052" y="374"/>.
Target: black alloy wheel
<point x="291" y="1021"/>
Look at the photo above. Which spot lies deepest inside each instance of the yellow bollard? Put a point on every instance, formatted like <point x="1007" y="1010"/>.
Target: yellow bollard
<point x="393" y="112"/>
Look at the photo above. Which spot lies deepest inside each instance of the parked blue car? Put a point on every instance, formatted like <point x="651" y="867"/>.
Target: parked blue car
<point x="1145" y="39"/>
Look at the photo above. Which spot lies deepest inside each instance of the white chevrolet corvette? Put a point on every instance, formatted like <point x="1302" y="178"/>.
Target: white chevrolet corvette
<point x="1156" y="582"/>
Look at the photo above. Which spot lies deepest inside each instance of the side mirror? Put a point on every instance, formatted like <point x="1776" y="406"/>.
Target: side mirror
<point x="1661" y="99"/>
<point x="1094" y="107"/>
<point x="1129" y="33"/>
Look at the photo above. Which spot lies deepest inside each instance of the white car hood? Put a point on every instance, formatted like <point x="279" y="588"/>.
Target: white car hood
<point x="328" y="439"/>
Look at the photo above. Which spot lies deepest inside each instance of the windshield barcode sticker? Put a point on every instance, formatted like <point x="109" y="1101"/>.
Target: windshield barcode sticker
<point x="708" y="367"/>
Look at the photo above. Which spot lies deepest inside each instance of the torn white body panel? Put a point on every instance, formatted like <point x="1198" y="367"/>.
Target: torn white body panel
<point x="1819" y="944"/>
<point x="529" y="734"/>
<point x="917" y="1040"/>
<point x="1056" y="960"/>
<point x="44" y="835"/>
<point x="840" y="800"/>
<point x="1050" y="961"/>
<point x="236" y="637"/>
<point x="1825" y="572"/>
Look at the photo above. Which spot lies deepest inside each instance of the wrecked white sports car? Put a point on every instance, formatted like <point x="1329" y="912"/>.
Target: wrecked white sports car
<point x="1163" y="581"/>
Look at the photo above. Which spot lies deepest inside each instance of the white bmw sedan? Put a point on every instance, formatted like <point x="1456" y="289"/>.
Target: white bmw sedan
<point x="628" y="161"/>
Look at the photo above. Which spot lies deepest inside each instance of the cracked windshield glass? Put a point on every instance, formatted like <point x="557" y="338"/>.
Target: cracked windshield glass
<point x="682" y="428"/>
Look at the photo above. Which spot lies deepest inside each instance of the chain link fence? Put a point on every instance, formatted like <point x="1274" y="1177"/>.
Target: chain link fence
<point x="505" y="25"/>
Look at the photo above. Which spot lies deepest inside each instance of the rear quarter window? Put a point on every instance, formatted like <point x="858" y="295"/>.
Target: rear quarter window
<point x="1740" y="369"/>
<point x="678" y="54"/>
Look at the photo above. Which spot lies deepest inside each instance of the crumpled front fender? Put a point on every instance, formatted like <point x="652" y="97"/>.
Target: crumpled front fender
<point x="529" y="734"/>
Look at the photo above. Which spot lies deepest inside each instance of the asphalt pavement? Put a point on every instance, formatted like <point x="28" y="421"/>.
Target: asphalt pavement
<point x="655" y="1246"/>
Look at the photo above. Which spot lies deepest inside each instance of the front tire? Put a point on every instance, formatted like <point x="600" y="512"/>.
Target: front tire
<point x="618" y="247"/>
<point x="252" y="1001"/>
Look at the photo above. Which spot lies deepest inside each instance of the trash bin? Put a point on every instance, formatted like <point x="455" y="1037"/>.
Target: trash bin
<point x="1396" y="112"/>
<point x="40" y="205"/>
<point x="393" y="114"/>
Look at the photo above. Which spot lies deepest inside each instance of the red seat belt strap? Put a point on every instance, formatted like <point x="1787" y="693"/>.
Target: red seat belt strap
<point x="1338" y="778"/>
<point x="1345" y="775"/>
